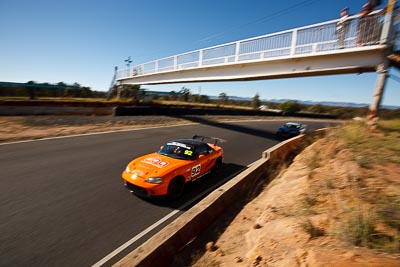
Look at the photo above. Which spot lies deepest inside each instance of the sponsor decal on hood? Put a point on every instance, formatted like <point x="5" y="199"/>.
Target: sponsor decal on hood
<point x="156" y="161"/>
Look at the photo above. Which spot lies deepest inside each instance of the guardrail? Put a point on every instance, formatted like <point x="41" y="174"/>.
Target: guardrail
<point x="308" y="40"/>
<point x="170" y="240"/>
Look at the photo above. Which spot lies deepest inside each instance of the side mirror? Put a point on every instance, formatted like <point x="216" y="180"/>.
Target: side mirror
<point x="201" y="156"/>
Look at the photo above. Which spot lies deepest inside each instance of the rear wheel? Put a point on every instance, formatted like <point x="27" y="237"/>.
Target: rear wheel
<point x="217" y="165"/>
<point x="176" y="188"/>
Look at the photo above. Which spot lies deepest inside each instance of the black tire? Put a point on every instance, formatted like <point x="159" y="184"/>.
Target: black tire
<point x="176" y="188"/>
<point x="217" y="165"/>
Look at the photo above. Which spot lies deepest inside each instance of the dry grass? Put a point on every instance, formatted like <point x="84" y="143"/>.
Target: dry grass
<point x="193" y="104"/>
<point x="66" y="99"/>
<point x="380" y="146"/>
<point x="373" y="217"/>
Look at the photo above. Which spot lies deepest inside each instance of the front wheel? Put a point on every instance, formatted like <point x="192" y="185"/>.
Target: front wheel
<point x="176" y="188"/>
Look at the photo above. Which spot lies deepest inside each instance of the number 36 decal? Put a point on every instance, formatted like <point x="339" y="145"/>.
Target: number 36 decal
<point x="196" y="170"/>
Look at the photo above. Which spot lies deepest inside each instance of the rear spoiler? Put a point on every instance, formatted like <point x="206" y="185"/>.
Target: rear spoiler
<point x="215" y="139"/>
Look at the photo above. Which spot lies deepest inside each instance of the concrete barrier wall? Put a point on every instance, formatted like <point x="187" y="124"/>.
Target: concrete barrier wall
<point x="166" y="243"/>
<point x="176" y="111"/>
<point x="179" y="111"/>
<point x="51" y="108"/>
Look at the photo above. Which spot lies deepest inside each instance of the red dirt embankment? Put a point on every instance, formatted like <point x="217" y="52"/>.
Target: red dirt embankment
<point x="325" y="209"/>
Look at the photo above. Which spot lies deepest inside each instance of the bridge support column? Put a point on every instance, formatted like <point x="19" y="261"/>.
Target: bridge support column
<point x="382" y="70"/>
<point x="377" y="98"/>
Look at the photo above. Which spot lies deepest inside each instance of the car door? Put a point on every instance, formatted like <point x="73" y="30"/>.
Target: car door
<point x="203" y="163"/>
<point x="206" y="157"/>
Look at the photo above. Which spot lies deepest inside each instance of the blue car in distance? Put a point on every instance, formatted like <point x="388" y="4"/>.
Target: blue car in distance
<point x="290" y="129"/>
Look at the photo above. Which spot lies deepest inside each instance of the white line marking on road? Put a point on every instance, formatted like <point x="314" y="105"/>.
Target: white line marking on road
<point x="116" y="131"/>
<point x="150" y="228"/>
<point x="123" y="130"/>
<point x="133" y="240"/>
<point x="171" y="214"/>
<point x="127" y="130"/>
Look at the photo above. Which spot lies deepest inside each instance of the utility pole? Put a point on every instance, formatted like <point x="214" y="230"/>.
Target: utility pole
<point x="380" y="86"/>
<point x="128" y="62"/>
<point x="383" y="68"/>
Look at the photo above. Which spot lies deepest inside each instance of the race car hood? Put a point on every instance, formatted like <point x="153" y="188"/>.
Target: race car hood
<point x="154" y="165"/>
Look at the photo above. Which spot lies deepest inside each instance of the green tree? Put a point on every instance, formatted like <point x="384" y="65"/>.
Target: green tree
<point x="204" y="99"/>
<point x="69" y="92"/>
<point x="130" y="91"/>
<point x="273" y="105"/>
<point x="31" y="90"/>
<point x="316" y="109"/>
<point x="173" y="96"/>
<point x="290" y="107"/>
<point x="77" y="85"/>
<point x="184" y="94"/>
<point x="195" y="98"/>
<point x="256" y="101"/>
<point x="223" y="97"/>
<point x="84" y="91"/>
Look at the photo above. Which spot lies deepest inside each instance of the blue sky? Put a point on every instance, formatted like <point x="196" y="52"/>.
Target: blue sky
<point x="82" y="40"/>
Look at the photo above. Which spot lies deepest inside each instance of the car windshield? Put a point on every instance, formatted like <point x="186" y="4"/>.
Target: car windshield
<point x="293" y="125"/>
<point x="177" y="150"/>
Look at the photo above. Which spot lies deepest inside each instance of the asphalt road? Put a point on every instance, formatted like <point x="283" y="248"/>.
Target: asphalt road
<point x="62" y="202"/>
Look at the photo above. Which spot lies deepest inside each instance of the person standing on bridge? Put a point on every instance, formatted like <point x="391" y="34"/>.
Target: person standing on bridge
<point x="342" y="27"/>
<point x="367" y="27"/>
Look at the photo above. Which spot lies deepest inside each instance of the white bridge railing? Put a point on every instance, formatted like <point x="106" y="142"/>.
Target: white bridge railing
<point x="302" y="41"/>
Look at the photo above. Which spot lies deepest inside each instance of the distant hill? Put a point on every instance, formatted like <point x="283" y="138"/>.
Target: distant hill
<point x="311" y="103"/>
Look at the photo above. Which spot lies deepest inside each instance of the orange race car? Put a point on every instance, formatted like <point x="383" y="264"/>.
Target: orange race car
<point x="176" y="163"/>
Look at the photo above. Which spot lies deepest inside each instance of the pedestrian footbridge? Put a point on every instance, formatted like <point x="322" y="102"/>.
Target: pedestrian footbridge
<point x="306" y="51"/>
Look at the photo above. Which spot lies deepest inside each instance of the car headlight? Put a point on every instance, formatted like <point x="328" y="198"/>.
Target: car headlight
<point x="127" y="169"/>
<point x="154" y="180"/>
